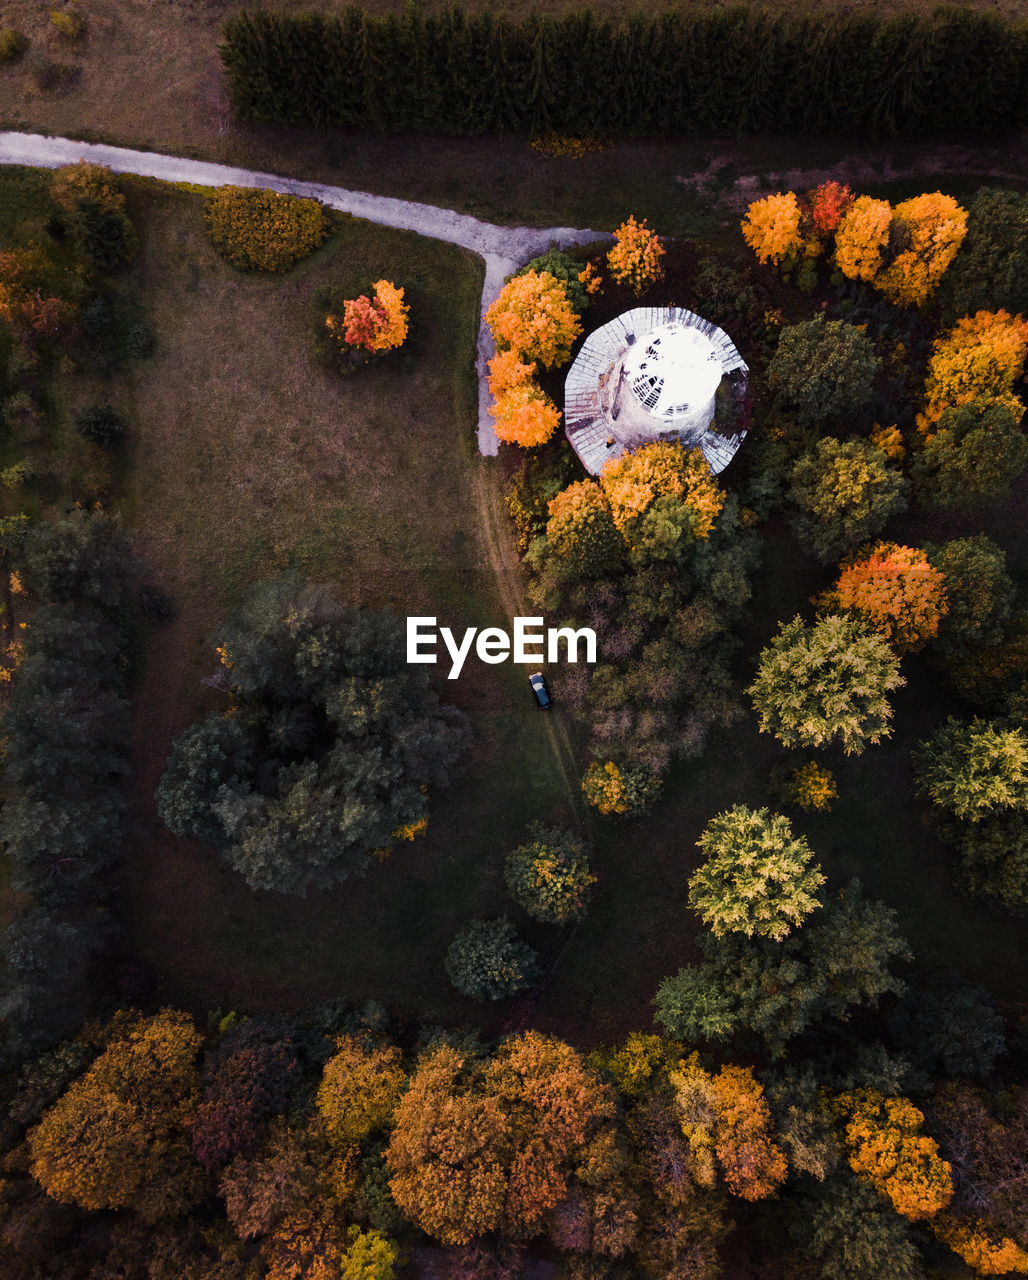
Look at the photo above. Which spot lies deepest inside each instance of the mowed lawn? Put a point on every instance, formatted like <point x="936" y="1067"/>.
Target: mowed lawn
<point x="248" y="458"/>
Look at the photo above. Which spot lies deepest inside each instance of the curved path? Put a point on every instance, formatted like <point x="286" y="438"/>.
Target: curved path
<point x="504" y="249"/>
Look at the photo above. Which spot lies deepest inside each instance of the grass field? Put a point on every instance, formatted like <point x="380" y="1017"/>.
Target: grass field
<point x="246" y="458"/>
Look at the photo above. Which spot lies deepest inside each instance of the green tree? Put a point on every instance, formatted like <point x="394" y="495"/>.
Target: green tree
<point x="84" y="556"/>
<point x="488" y="961"/>
<point x="850" y="1233"/>
<point x="116" y="1139"/>
<point x="974" y="771"/>
<point x="946" y="1026"/>
<point x="822" y="369"/>
<point x="550" y="876"/>
<point x="972" y="457"/>
<point x="845" y="492"/>
<point x="979" y="592"/>
<point x="756" y="879"/>
<point x="581" y="533"/>
<point x="332" y="743"/>
<point x="826" y="685"/>
<point x="838" y="960"/>
<point x="991" y="269"/>
<point x="994" y="859"/>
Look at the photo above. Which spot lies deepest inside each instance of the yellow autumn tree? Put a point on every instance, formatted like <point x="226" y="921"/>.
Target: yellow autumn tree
<point x="393" y="330"/>
<point x="772" y="227"/>
<point x="359" y="1089"/>
<point x="525" y="415"/>
<point x="533" y="317"/>
<point x="663" y="469"/>
<point x="886" y="1148"/>
<point x="931" y="228"/>
<point x="861" y="237"/>
<point x="981" y="358"/>
<point x="635" y="259"/>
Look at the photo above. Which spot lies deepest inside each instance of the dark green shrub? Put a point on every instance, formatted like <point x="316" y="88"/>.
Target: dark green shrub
<point x="263" y="230"/>
<point x="990" y="271"/>
<point x="100" y="424"/>
<point x="139" y="342"/>
<point x="488" y="961"/>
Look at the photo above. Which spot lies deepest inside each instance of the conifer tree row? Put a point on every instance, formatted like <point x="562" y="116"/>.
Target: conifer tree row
<point x="673" y="72"/>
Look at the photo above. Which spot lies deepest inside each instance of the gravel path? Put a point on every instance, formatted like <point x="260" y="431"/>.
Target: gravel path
<point x="504" y="249"/>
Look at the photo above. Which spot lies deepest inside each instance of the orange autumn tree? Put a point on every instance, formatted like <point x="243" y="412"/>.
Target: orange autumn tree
<point x="862" y="235"/>
<point x="532" y="322"/>
<point x="372" y="324"/>
<point x="525" y="415"/>
<point x="896" y="592"/>
<point x="634" y="482"/>
<point x="754" y="1167"/>
<point x="533" y="317"/>
<point x="727" y="1124"/>
<point x="931" y="228"/>
<point x="635" y="259"/>
<point x="886" y="1148"/>
<point x="772" y="227"/>
<point x="981" y="357"/>
<point x="984" y="1251"/>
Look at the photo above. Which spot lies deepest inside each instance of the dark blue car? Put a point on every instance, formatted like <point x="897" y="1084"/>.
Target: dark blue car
<point x="542" y="695"/>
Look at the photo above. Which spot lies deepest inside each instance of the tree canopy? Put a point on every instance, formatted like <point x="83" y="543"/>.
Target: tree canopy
<point x="826" y="685"/>
<point x="331" y="746"/>
<point x="756" y="879"/>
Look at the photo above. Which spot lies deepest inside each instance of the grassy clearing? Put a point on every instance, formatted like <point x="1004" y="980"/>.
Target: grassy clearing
<point x="246" y="457"/>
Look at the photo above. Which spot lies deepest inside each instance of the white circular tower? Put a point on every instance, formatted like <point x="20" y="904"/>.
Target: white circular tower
<point x="656" y="373"/>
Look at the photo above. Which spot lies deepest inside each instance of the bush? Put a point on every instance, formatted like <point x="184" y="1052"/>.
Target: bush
<point x="100" y="424"/>
<point x="550" y="876"/>
<point x="564" y="268"/>
<point x="628" y="788"/>
<point x="12" y="45"/>
<point x="263" y="230"/>
<point x="69" y="24"/>
<point x="488" y="961"/>
<point x="93" y="213"/>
